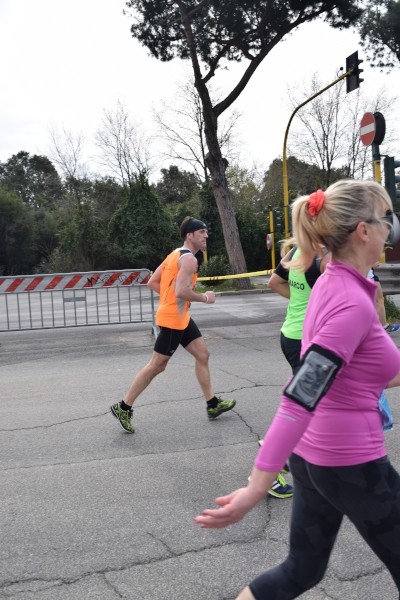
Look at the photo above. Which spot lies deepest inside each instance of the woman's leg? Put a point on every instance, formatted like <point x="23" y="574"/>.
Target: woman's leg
<point x="369" y="494"/>
<point x="313" y="530"/>
<point x="245" y="595"/>
<point x="291" y="350"/>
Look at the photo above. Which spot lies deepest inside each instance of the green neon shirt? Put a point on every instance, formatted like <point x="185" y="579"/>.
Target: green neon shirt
<point x="300" y="290"/>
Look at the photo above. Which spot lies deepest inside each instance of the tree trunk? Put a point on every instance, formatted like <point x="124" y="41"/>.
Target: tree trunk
<point x="228" y="219"/>
<point x="215" y="162"/>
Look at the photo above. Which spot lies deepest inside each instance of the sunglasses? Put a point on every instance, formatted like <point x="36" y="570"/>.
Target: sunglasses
<point x="387" y="219"/>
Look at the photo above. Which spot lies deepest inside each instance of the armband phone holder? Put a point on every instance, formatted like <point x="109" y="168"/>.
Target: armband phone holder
<point x="314" y="377"/>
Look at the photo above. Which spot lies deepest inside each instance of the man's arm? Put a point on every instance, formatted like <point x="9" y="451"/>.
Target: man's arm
<point x="183" y="284"/>
<point x="154" y="281"/>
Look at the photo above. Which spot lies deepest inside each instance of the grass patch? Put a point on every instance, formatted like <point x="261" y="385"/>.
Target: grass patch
<point x="392" y="310"/>
<point x="225" y="285"/>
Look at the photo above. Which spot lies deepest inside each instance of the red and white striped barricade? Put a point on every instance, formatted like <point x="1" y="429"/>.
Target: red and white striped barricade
<point x="76" y="299"/>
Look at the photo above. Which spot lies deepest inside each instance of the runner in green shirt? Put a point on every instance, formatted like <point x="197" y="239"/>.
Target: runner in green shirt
<point x="296" y="286"/>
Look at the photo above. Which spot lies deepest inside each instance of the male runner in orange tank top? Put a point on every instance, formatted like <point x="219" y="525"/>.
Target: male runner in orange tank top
<point x="174" y="280"/>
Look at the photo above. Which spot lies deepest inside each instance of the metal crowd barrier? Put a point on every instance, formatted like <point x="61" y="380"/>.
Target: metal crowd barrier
<point x="76" y="300"/>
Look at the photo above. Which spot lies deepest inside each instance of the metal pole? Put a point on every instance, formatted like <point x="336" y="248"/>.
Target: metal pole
<point x="284" y="160"/>
<point x="272" y="232"/>
<point x="376" y="167"/>
<point x="376" y="163"/>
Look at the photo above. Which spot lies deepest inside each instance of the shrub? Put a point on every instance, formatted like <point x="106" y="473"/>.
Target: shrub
<point x="216" y="266"/>
<point x="392" y="310"/>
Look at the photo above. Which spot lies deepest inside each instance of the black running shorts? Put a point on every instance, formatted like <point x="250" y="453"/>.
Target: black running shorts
<point x="169" y="339"/>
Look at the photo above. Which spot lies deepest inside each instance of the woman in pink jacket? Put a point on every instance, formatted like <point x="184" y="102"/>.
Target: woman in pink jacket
<point x="328" y="421"/>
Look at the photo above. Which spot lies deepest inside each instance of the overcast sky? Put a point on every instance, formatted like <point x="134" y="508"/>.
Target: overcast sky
<point x="65" y="62"/>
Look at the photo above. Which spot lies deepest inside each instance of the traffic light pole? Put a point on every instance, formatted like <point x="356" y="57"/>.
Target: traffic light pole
<point x="376" y="163"/>
<point x="284" y="159"/>
<point x="376" y="166"/>
<point x="272" y="232"/>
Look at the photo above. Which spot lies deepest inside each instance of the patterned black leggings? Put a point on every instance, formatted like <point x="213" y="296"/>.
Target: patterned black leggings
<point x="368" y="494"/>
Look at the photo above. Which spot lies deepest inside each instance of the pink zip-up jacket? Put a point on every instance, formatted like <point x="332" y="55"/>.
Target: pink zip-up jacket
<point x="346" y="427"/>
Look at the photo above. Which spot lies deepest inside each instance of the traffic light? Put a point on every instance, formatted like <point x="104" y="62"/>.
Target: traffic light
<point x="352" y="64"/>
<point x="275" y="221"/>
<point x="390" y="165"/>
<point x="278" y="221"/>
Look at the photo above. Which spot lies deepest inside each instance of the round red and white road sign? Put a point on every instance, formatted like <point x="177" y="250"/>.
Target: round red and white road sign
<point x="367" y="129"/>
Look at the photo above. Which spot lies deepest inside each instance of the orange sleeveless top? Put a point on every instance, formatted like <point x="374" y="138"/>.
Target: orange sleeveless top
<point x="171" y="312"/>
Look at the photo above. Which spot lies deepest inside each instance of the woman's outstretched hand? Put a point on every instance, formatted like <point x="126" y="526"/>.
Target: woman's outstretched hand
<point x="233" y="508"/>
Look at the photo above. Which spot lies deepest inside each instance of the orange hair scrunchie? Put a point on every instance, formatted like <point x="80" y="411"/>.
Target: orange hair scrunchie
<point x="315" y="202"/>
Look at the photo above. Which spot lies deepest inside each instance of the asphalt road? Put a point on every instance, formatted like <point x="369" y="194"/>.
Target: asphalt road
<point x="89" y="512"/>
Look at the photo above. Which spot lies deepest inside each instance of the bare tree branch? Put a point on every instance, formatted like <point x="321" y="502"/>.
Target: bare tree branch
<point x="124" y="147"/>
<point x="181" y="123"/>
<point x="66" y="152"/>
<point x="327" y="130"/>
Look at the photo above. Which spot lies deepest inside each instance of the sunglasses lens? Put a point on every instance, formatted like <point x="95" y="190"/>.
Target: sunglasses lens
<point x="389" y="217"/>
<point x="394" y="233"/>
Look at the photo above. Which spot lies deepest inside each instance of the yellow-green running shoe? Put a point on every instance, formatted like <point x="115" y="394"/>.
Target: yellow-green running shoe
<point x="222" y="406"/>
<point x="123" y="416"/>
<point x="280" y="488"/>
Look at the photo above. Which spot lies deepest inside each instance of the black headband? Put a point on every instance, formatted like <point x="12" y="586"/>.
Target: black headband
<point x="191" y="226"/>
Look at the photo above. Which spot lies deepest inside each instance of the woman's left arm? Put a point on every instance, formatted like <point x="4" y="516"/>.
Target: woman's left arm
<point x="395" y="381"/>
